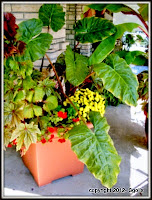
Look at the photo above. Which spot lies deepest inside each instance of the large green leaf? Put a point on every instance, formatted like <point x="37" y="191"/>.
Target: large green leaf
<point x="38" y="46"/>
<point x="111" y="7"/>
<point x="96" y="149"/>
<point x="118" y="79"/>
<point x="121" y="28"/>
<point x="52" y="15"/>
<point x="76" y="67"/>
<point x="25" y="134"/>
<point x="93" y="29"/>
<point x="28" y="29"/>
<point x="37" y="43"/>
<point x="103" y="50"/>
<point x="106" y="46"/>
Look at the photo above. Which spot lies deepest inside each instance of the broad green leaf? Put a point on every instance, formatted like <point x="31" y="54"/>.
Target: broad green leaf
<point x="20" y="95"/>
<point x="37" y="43"/>
<point x="25" y="134"/>
<point x="103" y="50"/>
<point x="37" y="110"/>
<point x="96" y="149"/>
<point x="107" y="45"/>
<point x="93" y="29"/>
<point x="76" y="67"/>
<point x="118" y="79"/>
<point x="52" y="15"/>
<point x="28" y="29"/>
<point x="38" y="46"/>
<point x="143" y="10"/>
<point x="122" y="28"/>
<point x="28" y="111"/>
<point x="43" y="121"/>
<point x="111" y="7"/>
<point x="50" y="103"/>
<point x="7" y="135"/>
<point x="38" y="95"/>
<point x="29" y="95"/>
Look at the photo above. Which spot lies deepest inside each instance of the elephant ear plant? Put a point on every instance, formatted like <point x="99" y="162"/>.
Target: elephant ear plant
<point x="35" y="104"/>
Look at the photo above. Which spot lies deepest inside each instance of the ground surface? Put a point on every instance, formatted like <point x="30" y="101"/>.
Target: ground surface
<point x="126" y="130"/>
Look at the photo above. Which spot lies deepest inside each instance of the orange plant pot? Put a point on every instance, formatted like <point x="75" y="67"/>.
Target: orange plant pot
<point x="52" y="160"/>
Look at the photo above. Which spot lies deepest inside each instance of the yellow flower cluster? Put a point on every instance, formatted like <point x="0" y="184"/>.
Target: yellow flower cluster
<point x="87" y="101"/>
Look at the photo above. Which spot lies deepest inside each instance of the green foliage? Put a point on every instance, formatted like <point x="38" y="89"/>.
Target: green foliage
<point x="52" y="15"/>
<point x="96" y="149"/>
<point x="134" y="57"/>
<point x="110" y="7"/>
<point x="123" y="84"/>
<point x="36" y="43"/>
<point x="76" y="67"/>
<point x="93" y="29"/>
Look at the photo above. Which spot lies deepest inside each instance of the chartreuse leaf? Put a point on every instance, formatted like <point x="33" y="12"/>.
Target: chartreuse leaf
<point x="19" y="96"/>
<point x="118" y="79"/>
<point x="93" y="29"/>
<point x="39" y="94"/>
<point x="52" y="15"/>
<point x="28" y="111"/>
<point x="106" y="46"/>
<point x="13" y="113"/>
<point x="76" y="67"/>
<point x="28" y="83"/>
<point x="29" y="95"/>
<point x="96" y="149"/>
<point x="25" y="134"/>
<point x="26" y="68"/>
<point x="37" y="110"/>
<point x="50" y="103"/>
<point x="37" y="43"/>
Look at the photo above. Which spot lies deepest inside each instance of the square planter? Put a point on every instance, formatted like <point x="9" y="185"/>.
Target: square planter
<point x="52" y="160"/>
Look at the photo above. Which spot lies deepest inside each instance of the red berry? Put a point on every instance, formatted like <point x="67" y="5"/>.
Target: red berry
<point x="50" y="140"/>
<point x="52" y="136"/>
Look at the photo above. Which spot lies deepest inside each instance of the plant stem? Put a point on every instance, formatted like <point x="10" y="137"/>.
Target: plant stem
<point x="60" y="85"/>
<point x="43" y="56"/>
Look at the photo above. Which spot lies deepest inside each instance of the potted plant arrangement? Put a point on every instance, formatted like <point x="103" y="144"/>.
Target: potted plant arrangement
<point x="56" y="111"/>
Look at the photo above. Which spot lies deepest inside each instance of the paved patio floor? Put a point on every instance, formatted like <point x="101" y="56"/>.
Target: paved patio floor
<point x="126" y="130"/>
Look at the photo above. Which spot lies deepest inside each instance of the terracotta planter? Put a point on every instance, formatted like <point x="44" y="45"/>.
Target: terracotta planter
<point x="52" y="160"/>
